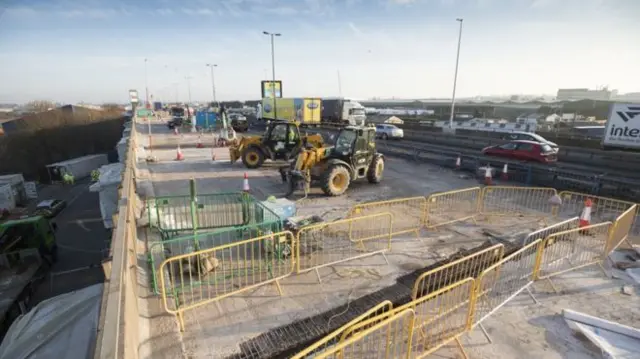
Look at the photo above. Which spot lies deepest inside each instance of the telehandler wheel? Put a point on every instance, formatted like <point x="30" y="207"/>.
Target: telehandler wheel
<point x="336" y="180"/>
<point x="252" y="157"/>
<point x="376" y="168"/>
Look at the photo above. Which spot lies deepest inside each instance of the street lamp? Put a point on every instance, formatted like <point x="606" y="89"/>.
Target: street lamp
<point x="273" y="71"/>
<point x="213" y="82"/>
<point x="188" y="78"/>
<point x="146" y="86"/>
<point x="455" y="76"/>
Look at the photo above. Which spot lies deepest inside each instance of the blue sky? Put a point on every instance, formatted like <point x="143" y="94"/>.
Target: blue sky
<point x="94" y="50"/>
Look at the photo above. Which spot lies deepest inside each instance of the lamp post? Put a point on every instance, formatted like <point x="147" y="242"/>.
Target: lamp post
<point x="273" y="71"/>
<point x="455" y="77"/>
<point x="188" y="78"/>
<point x="213" y="81"/>
<point x="146" y="86"/>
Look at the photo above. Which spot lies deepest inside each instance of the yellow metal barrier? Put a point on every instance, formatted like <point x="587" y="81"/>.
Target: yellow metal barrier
<point x="622" y="229"/>
<point x="408" y="212"/>
<point x="441" y="317"/>
<point x="453" y="206"/>
<point x="573" y="249"/>
<point x="334" y="338"/>
<point x="455" y="271"/>
<point x="603" y="209"/>
<point x="209" y="275"/>
<point x="503" y="281"/>
<point x="329" y="243"/>
<point x="390" y="338"/>
<point x="552" y="229"/>
<point x="517" y="202"/>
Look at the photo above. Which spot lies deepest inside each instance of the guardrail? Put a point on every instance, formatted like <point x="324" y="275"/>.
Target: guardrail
<point x="583" y="178"/>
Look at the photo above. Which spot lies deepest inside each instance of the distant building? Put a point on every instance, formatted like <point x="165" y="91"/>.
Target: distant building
<point x="583" y="94"/>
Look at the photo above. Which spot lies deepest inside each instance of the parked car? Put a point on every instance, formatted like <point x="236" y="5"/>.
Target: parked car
<point x="523" y="151"/>
<point x="386" y="131"/>
<point x="50" y="208"/>
<point x="528" y="136"/>
<point x="239" y="123"/>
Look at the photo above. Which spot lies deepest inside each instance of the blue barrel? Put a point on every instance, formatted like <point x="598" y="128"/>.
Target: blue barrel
<point x="206" y="119"/>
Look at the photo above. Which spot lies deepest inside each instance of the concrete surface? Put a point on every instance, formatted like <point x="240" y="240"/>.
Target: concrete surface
<point x="521" y="329"/>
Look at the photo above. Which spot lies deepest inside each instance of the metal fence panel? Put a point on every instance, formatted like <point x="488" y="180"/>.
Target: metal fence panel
<point x="621" y="229"/>
<point x="545" y="232"/>
<point x="408" y="213"/>
<point x="453" y="206"/>
<point x="503" y="281"/>
<point x="389" y="338"/>
<point x="324" y="244"/>
<point x="181" y="213"/>
<point x="603" y="209"/>
<point x="441" y="317"/>
<point x="457" y="270"/>
<point x="573" y="249"/>
<point x="334" y="338"/>
<point x="160" y="251"/>
<point x="517" y="201"/>
<point x="209" y="275"/>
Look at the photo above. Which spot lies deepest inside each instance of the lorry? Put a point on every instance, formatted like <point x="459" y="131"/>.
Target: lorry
<point x="79" y="167"/>
<point x="28" y="248"/>
<point x="313" y="111"/>
<point x="622" y="130"/>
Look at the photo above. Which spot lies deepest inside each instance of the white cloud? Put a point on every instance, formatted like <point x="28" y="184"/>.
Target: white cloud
<point x="21" y="11"/>
<point x="355" y="29"/>
<point x="164" y="11"/>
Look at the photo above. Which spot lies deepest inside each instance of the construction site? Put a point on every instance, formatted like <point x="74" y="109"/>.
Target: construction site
<point x="428" y="260"/>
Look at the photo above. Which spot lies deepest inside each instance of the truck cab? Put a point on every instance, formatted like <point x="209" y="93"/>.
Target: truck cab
<point x="354" y="113"/>
<point x="32" y="232"/>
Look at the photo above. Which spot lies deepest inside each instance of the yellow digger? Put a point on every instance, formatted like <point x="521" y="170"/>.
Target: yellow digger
<point x="352" y="156"/>
<point x="280" y="141"/>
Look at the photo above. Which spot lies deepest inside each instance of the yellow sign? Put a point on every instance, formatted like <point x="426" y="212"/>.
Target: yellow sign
<point x="311" y="110"/>
<point x="271" y="87"/>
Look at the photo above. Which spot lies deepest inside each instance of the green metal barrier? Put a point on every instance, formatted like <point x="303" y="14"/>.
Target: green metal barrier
<point x="178" y="215"/>
<point x="160" y="251"/>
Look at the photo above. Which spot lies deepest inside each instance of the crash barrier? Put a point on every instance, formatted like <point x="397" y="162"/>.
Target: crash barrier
<point x="175" y="214"/>
<point x="517" y="201"/>
<point x="457" y="270"/>
<point x="453" y="206"/>
<point x="324" y="244"/>
<point x="191" y="280"/>
<point x="622" y="229"/>
<point x="391" y="336"/>
<point x="503" y="281"/>
<point x="545" y="232"/>
<point x="335" y="337"/>
<point x="408" y="213"/>
<point x="573" y="249"/>
<point x="160" y="251"/>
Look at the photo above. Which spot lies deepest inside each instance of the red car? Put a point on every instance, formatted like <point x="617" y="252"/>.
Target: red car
<point x="523" y="151"/>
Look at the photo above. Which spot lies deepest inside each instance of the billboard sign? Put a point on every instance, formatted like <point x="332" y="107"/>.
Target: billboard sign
<point x="133" y="96"/>
<point x="270" y="87"/>
<point x="623" y="126"/>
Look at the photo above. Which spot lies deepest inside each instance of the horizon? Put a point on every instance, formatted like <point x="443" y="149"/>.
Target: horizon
<point x="94" y="52"/>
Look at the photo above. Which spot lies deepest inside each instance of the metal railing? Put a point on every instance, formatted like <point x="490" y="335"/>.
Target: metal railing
<point x="324" y="244"/>
<point x="195" y="279"/>
<point x="518" y="201"/>
<point x="408" y="213"/>
<point x="160" y="251"/>
<point x="453" y="206"/>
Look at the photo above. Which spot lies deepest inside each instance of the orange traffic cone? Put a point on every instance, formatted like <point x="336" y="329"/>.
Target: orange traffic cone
<point x="245" y="183"/>
<point x="487" y="176"/>
<point x="179" y="155"/>
<point x="175" y="131"/>
<point x="199" y="143"/>
<point x="458" y="162"/>
<point x="213" y="154"/>
<point x="585" y="217"/>
<point x="505" y="169"/>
